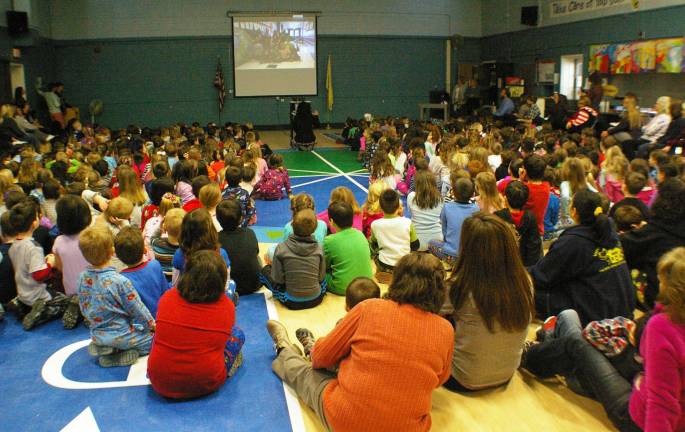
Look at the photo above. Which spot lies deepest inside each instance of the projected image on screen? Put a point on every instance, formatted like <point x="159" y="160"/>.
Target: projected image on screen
<point x="271" y="45"/>
<point x="274" y="56"/>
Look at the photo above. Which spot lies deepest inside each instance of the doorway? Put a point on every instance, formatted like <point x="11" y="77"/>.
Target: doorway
<point x="571" y="80"/>
<point x="17" y="78"/>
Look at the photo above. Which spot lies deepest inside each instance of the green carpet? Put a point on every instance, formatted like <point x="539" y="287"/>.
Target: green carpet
<point x="306" y="164"/>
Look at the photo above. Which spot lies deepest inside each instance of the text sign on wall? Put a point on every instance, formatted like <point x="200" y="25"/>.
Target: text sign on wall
<point x="568" y="7"/>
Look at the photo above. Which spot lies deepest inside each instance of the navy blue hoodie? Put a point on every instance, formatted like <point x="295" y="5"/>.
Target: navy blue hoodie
<point x="583" y="274"/>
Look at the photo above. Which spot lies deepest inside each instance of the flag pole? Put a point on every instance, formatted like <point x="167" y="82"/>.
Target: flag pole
<point x="329" y="91"/>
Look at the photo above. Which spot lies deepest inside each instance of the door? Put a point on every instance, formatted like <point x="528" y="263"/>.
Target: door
<point x="571" y="80"/>
<point x="17" y="78"/>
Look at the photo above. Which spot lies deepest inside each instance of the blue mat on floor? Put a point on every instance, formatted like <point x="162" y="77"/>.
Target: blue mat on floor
<point x="253" y="400"/>
<point x="277" y="213"/>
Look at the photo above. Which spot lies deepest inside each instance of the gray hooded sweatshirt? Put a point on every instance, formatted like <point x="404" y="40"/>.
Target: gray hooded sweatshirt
<point x="299" y="264"/>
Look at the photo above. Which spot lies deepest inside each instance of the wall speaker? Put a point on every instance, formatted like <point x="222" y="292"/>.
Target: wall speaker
<point x="529" y="15"/>
<point x="17" y="22"/>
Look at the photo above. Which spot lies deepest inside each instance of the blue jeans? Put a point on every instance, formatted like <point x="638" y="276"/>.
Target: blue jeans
<point x="566" y="352"/>
<point x="437" y="248"/>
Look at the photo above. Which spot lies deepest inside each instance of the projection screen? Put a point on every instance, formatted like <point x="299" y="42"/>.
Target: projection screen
<point x="274" y="55"/>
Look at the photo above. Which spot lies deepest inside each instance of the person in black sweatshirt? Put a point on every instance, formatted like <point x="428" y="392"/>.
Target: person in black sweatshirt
<point x="664" y="231"/>
<point x="585" y="268"/>
<point x="241" y="246"/>
<point x="530" y="244"/>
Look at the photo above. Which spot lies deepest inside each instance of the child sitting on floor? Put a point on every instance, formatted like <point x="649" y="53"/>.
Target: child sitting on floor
<point x="628" y="218"/>
<point x="120" y="325"/>
<point x="73" y="216"/>
<point x="117" y="215"/>
<point x="633" y="184"/>
<point x="523" y="221"/>
<point x="274" y="181"/>
<point x="198" y="183"/>
<point x="347" y="251"/>
<point x="297" y="276"/>
<point x="198" y="233"/>
<point x="452" y="217"/>
<point x="210" y="197"/>
<point x="146" y="276"/>
<point x="371" y="210"/>
<point x="8" y="288"/>
<point x="241" y="246"/>
<point x="235" y="191"/>
<point x="248" y="179"/>
<point x="299" y="202"/>
<point x="32" y="270"/>
<point x="358" y="290"/>
<point x="164" y="248"/>
<point x="153" y="226"/>
<point x="343" y="194"/>
<point x="197" y="345"/>
<point x="392" y="237"/>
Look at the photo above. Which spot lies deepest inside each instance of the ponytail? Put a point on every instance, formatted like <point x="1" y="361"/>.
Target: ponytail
<point x="591" y="213"/>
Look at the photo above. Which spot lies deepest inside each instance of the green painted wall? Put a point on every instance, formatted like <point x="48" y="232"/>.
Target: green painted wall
<point x="524" y="47"/>
<point x="155" y="81"/>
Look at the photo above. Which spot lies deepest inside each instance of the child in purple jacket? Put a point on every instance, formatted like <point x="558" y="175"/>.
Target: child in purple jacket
<point x="274" y="181"/>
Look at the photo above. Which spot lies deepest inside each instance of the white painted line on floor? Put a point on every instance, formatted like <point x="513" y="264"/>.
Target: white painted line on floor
<point x="309" y="171"/>
<point x="291" y="399"/>
<point x="341" y="172"/>
<point x="317" y="181"/>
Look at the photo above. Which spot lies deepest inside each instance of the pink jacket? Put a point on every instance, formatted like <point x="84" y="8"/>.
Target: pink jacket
<point x="646" y="195"/>
<point x="614" y="189"/>
<point x="657" y="402"/>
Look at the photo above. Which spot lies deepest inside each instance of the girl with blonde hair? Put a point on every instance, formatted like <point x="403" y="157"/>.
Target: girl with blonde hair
<point x="573" y="180"/>
<point x="131" y="189"/>
<point x="613" y="174"/>
<point x="371" y="210"/>
<point x="343" y="194"/>
<point x="488" y="197"/>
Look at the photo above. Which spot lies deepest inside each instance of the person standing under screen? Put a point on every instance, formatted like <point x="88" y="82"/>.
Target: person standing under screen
<point x="303" y="126"/>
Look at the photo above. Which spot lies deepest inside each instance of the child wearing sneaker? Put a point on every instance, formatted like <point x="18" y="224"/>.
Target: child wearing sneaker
<point x="121" y="326"/>
<point x="392" y="237"/>
<point x="197" y="345"/>
<point x="359" y="289"/>
<point x="297" y="276"/>
<point x="73" y="216"/>
<point x="146" y="276"/>
<point x="32" y="270"/>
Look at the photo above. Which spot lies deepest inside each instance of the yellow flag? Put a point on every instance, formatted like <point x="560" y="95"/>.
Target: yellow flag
<point x="329" y="84"/>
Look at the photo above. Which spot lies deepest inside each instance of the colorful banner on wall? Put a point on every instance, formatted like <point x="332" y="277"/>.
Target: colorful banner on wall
<point x="669" y="55"/>
<point x="660" y="55"/>
<point x="559" y="8"/>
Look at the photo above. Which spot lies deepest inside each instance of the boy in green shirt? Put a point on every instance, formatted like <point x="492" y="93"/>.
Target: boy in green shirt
<point x="347" y="251"/>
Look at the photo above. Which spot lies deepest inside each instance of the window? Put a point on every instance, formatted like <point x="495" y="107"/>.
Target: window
<point x="571" y="81"/>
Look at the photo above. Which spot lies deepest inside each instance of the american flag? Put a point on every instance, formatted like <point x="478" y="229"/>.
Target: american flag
<point x="219" y="84"/>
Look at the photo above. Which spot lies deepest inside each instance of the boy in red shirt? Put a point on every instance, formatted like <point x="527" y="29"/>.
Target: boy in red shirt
<point x="532" y="175"/>
<point x="196" y="344"/>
